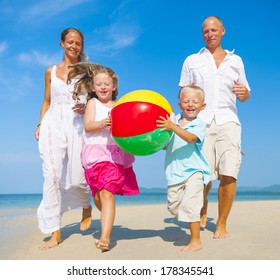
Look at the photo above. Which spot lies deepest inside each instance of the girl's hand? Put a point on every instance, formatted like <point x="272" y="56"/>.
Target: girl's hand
<point x="106" y="122"/>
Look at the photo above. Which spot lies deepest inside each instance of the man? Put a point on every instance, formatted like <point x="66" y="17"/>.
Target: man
<point x="222" y="76"/>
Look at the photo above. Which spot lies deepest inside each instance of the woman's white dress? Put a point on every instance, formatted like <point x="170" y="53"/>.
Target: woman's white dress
<point x="60" y="146"/>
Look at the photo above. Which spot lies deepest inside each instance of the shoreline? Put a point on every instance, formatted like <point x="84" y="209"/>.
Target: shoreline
<point x="149" y="232"/>
<point x="16" y="203"/>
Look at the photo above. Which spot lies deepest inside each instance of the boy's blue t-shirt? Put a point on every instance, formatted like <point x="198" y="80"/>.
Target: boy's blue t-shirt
<point x="183" y="159"/>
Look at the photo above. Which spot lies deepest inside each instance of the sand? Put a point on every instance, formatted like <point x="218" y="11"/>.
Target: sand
<point x="148" y="232"/>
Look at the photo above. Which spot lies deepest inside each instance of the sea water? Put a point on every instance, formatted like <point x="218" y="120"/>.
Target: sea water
<point x="15" y="202"/>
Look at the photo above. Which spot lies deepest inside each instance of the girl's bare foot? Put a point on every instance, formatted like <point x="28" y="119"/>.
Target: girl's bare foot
<point x="53" y="242"/>
<point x="86" y="219"/>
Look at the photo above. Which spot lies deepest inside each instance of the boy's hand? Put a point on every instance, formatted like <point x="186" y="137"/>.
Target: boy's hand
<point x="165" y="123"/>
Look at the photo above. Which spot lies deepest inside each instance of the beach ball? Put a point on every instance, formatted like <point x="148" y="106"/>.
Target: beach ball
<point x="134" y="127"/>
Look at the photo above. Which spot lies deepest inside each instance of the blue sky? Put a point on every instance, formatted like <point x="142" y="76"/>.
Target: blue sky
<point x="145" y="42"/>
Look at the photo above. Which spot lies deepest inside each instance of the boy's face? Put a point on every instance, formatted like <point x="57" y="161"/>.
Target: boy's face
<point x="191" y="103"/>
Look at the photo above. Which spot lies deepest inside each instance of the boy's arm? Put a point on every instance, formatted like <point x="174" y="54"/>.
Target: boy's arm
<point x="167" y="124"/>
<point x="184" y="134"/>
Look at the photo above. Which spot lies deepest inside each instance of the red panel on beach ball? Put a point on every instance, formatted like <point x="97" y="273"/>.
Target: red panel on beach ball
<point x="135" y="118"/>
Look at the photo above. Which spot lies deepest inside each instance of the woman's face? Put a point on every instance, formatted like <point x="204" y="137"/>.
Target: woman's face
<point x="73" y="45"/>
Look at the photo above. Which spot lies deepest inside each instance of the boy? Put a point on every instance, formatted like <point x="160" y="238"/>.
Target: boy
<point x="186" y="170"/>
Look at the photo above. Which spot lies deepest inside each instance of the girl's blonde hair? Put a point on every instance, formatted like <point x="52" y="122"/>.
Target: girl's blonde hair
<point x="85" y="73"/>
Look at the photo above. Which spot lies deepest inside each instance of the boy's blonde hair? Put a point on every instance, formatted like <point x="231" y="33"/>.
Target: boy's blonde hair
<point x="195" y="89"/>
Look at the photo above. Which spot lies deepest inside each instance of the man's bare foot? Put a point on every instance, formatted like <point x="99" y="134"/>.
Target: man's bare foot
<point x="103" y="246"/>
<point x="192" y="247"/>
<point x="221" y="233"/>
<point x="86" y="219"/>
<point x="53" y="242"/>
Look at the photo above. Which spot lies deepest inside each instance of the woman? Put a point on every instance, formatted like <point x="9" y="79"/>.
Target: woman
<point x="59" y="133"/>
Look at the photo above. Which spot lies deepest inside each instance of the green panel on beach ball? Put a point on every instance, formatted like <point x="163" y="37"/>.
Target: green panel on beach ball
<point x="144" y="144"/>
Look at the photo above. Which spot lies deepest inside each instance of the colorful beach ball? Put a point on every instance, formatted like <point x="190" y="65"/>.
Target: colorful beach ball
<point x="134" y="118"/>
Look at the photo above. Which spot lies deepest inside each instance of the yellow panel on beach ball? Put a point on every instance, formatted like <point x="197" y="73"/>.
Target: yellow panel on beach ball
<point x="145" y="96"/>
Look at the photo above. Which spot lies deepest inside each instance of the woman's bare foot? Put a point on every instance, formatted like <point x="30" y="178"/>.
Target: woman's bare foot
<point x="86" y="219"/>
<point x="192" y="247"/>
<point x="53" y="242"/>
<point x="103" y="246"/>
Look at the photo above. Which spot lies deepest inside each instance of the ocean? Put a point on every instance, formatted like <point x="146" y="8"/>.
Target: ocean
<point x="28" y="202"/>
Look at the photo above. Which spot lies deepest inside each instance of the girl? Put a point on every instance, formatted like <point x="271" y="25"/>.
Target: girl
<point x="59" y="134"/>
<point x="108" y="170"/>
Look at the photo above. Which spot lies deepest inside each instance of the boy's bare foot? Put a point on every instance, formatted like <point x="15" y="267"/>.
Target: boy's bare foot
<point x="203" y="213"/>
<point x="203" y="220"/>
<point x="192" y="247"/>
<point x="221" y="233"/>
<point x="86" y="219"/>
<point x="53" y="242"/>
<point x="103" y="246"/>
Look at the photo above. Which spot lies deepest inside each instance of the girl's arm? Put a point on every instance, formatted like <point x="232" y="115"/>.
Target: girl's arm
<point x="91" y="125"/>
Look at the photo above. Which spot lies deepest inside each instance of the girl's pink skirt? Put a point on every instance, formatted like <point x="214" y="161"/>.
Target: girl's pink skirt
<point x="112" y="177"/>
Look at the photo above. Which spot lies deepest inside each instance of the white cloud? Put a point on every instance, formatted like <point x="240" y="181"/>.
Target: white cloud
<point x="49" y="8"/>
<point x="26" y="80"/>
<point x="121" y="33"/>
<point x="116" y="36"/>
<point x="40" y="58"/>
<point x="3" y="47"/>
<point x="16" y="91"/>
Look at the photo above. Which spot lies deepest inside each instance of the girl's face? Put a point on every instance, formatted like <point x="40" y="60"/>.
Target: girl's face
<point x="103" y="87"/>
<point x="73" y="45"/>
